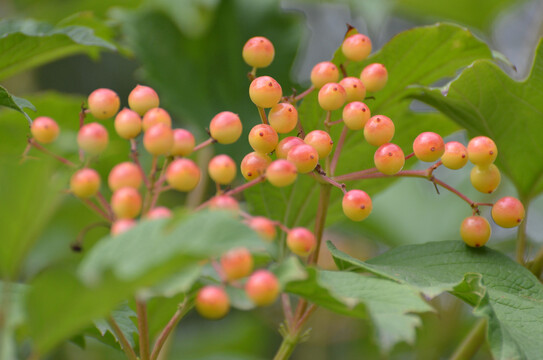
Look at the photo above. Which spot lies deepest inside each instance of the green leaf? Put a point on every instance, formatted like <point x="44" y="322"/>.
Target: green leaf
<point x="15" y="103"/>
<point x="509" y="295"/>
<point x="123" y="317"/>
<point x="12" y="315"/>
<point x="486" y="101"/>
<point x="25" y="44"/>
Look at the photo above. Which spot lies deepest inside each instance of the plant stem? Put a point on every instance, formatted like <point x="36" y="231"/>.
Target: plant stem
<point x="287" y="310"/>
<point x="50" y="153"/>
<point x="320" y="220"/>
<point x="338" y="149"/>
<point x="303" y="94"/>
<point x="135" y="158"/>
<point x="96" y="209"/>
<point x="471" y="343"/>
<point x="172" y="324"/>
<point x="141" y="308"/>
<point x="521" y="237"/>
<point x="203" y="144"/>
<point x="262" y="114"/>
<point x="287" y="346"/>
<point x="130" y="354"/>
<point x="105" y="204"/>
<point x="537" y="264"/>
<point x="236" y="190"/>
<point x="82" y="114"/>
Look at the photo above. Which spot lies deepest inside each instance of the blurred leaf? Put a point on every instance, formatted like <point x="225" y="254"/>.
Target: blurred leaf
<point x="486" y="101"/>
<point x="12" y="315"/>
<point x="25" y="44"/>
<point x="509" y="295"/>
<point x="123" y="317"/>
<point x="15" y="103"/>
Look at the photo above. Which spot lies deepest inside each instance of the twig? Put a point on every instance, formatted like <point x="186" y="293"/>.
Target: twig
<point x="125" y="345"/>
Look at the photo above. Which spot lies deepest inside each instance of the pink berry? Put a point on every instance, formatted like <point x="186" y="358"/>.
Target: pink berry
<point x="428" y="146"/>
<point x="262" y="287"/>
<point x="378" y="130"/>
<point x="127" y="124"/>
<point x="44" y="129"/>
<point x="332" y="96"/>
<point x="183" y="142"/>
<point x="224" y="202"/>
<point x="225" y="127"/>
<point x="254" y="164"/>
<point x="85" y="183"/>
<point x="508" y="212"/>
<point x="301" y="241"/>
<point x="304" y="157"/>
<point x="237" y="263"/>
<point x="374" y="76"/>
<point x="258" y="52"/>
<point x="356" y="47"/>
<point x="160" y="212"/>
<point x="265" y="92"/>
<point x="354" y="88"/>
<point x="281" y="173"/>
<point x="104" y="103"/>
<point x="92" y="138"/>
<point x="321" y="141"/>
<point x="482" y="151"/>
<point x="263" y="138"/>
<point x="212" y="302"/>
<point x="485" y="179"/>
<point x="122" y="225"/>
<point x="283" y="117"/>
<point x="158" y="139"/>
<point x="389" y="159"/>
<point x="284" y="146"/>
<point x="143" y="98"/>
<point x="263" y="226"/>
<point x="356" y="205"/>
<point x="323" y="73"/>
<point x="455" y="155"/>
<point x="125" y="174"/>
<point x="222" y="169"/>
<point x="355" y="115"/>
<point x="475" y="231"/>
<point x="156" y="116"/>
<point x="126" y="203"/>
<point x="183" y="174"/>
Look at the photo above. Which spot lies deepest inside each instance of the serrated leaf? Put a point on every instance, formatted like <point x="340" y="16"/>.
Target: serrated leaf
<point x="123" y="317"/>
<point x="15" y="103"/>
<point x="509" y="295"/>
<point x="486" y="101"/>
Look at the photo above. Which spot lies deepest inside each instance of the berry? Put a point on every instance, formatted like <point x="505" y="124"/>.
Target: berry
<point x="508" y="212"/>
<point x="222" y="169"/>
<point x="263" y="138"/>
<point x="104" y="103"/>
<point x="354" y="89"/>
<point x="183" y="142"/>
<point x="356" y="205"/>
<point x="389" y="159"/>
<point x="158" y="139"/>
<point x="356" y="47"/>
<point x="332" y="96"/>
<point x="85" y="183"/>
<point x="475" y="231"/>
<point x="224" y="202"/>
<point x="122" y="225"/>
<point x="482" y="151"/>
<point x="92" y="138"/>
<point x="156" y="116"/>
<point x="212" y="302"/>
<point x="254" y="164"/>
<point x="262" y="287"/>
<point x="304" y="157"/>
<point x="125" y="174"/>
<point x="183" y="174"/>
<point x="284" y="146"/>
<point x="301" y="241"/>
<point x="485" y="179"/>
<point x="455" y="155"/>
<point x="281" y="173"/>
<point x="320" y="141"/>
<point x="323" y="73"/>
<point x="374" y="76"/>
<point x="127" y="124"/>
<point x="428" y="146"/>
<point x="126" y="203"/>
<point x="143" y="98"/>
<point x="355" y="115"/>
<point x="160" y="212"/>
<point x="263" y="226"/>
<point x="237" y="263"/>
<point x="265" y="92"/>
<point x="258" y="52"/>
<point x="44" y="129"/>
<point x="225" y="127"/>
<point x="378" y="130"/>
<point x="283" y="117"/>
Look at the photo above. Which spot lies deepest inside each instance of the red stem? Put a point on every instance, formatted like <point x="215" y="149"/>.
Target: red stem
<point x="262" y="114"/>
<point x="338" y="149"/>
<point x="204" y="144"/>
<point x="50" y="153"/>
<point x="303" y="94"/>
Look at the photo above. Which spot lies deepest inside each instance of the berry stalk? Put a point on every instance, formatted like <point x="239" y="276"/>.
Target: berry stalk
<point x="143" y="329"/>
<point x="182" y="310"/>
<point x="125" y="345"/>
<point x="35" y="144"/>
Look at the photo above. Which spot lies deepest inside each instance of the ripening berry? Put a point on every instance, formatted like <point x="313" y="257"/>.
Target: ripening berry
<point x="225" y="127"/>
<point x="389" y="159"/>
<point x="304" y="157"/>
<point x="508" y="212"/>
<point x="263" y="138"/>
<point x="92" y="138"/>
<point x="237" y="263"/>
<point x="356" y="47"/>
<point x="183" y="174"/>
<point x="104" y="103"/>
<point x="158" y="140"/>
<point x="224" y="202"/>
<point x="475" y="231"/>
<point x="126" y="174"/>
<point x="262" y="287"/>
<point x="265" y="92"/>
<point x="283" y="117"/>
<point x="222" y="169"/>
<point x="356" y="205"/>
<point x="284" y="146"/>
<point x="428" y="146"/>
<point x="263" y="226"/>
<point x="160" y="212"/>
<point x="355" y="115"/>
<point x="156" y="116"/>
<point x="281" y="173"/>
<point x="126" y="203"/>
<point x="455" y="156"/>
<point x="301" y="241"/>
<point x="85" y="183"/>
<point x="323" y="73"/>
<point x="127" y="124"/>
<point x="321" y="141"/>
<point x="482" y="151"/>
<point x="254" y="164"/>
<point x="212" y="302"/>
<point x="378" y="130"/>
<point x="122" y="225"/>
<point x="143" y="98"/>
<point x="332" y="96"/>
<point x="374" y="76"/>
<point x="485" y="179"/>
<point x="354" y="89"/>
<point x="183" y="142"/>
<point x="258" y="52"/>
<point x="44" y="129"/>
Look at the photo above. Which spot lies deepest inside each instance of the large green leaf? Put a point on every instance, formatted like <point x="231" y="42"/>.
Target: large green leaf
<point x="509" y="295"/>
<point x="486" y="101"/>
<point x="12" y="315"/>
<point x="15" y="103"/>
<point x="417" y="56"/>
